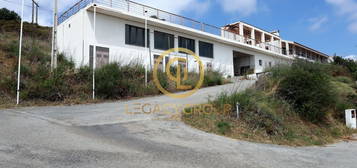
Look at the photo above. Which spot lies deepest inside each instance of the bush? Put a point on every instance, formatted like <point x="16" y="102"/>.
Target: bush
<point x="6" y="14"/>
<point x="223" y="127"/>
<point x="84" y="74"/>
<point x="115" y="81"/>
<point x="344" y="79"/>
<point x="309" y="89"/>
<point x="213" y="78"/>
<point x="257" y="110"/>
<point x="39" y="83"/>
<point x="350" y="64"/>
<point x="108" y="81"/>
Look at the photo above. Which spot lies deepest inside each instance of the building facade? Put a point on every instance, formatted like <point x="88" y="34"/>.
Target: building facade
<point x="119" y="29"/>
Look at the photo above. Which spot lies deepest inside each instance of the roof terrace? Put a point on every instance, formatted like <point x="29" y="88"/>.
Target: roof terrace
<point x="144" y="10"/>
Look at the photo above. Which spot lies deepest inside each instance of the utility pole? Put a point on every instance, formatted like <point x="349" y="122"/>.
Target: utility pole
<point x="34" y="12"/>
<point x="146" y="49"/>
<point x="54" y="36"/>
<point x="20" y="47"/>
<point x="94" y="46"/>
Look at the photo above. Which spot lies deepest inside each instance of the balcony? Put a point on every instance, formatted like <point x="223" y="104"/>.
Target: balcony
<point x="143" y="10"/>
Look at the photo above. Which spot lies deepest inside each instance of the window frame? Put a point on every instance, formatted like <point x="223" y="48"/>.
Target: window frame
<point x="137" y="42"/>
<point x="167" y="45"/>
<point x="202" y="44"/>
<point x="180" y="43"/>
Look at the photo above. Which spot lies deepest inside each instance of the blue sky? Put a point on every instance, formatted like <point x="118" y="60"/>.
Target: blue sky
<point x="329" y="26"/>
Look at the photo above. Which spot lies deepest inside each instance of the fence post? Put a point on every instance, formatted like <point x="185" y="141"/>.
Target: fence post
<point x="237" y="106"/>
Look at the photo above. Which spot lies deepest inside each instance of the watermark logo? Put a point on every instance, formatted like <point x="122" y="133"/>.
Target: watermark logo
<point x="177" y="78"/>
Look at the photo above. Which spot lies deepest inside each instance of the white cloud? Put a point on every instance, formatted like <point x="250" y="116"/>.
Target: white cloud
<point x="347" y="8"/>
<point x="353" y="57"/>
<point x="353" y="27"/>
<point x="317" y="22"/>
<point x="243" y="7"/>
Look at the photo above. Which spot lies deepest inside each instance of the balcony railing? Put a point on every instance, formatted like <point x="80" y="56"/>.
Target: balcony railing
<point x="144" y="10"/>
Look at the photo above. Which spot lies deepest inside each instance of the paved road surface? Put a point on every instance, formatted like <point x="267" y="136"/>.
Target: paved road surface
<point x="102" y="135"/>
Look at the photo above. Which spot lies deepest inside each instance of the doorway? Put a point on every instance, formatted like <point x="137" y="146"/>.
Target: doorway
<point x="243" y="63"/>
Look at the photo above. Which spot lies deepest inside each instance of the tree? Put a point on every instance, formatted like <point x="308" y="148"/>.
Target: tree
<point x="350" y="64"/>
<point x="6" y="14"/>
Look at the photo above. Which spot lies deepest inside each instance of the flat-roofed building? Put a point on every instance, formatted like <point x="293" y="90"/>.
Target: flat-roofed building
<point x="121" y="26"/>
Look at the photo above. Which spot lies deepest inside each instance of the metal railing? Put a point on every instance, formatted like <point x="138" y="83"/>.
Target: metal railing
<point x="144" y="10"/>
<point x="73" y="10"/>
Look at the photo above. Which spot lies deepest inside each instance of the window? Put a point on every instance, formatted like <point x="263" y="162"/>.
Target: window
<point x="206" y="49"/>
<point x="270" y="64"/>
<point x="136" y="36"/>
<point x="102" y="56"/>
<point x="187" y="43"/>
<point x="163" y="41"/>
<point x="260" y="63"/>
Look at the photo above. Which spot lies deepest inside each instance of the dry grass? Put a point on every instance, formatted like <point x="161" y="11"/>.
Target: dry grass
<point x="298" y="132"/>
<point x="266" y="117"/>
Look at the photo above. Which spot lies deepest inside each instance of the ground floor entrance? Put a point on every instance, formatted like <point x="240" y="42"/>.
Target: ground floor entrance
<point x="243" y="63"/>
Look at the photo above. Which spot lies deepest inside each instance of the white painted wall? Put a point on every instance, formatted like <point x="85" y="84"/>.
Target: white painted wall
<point x="74" y="41"/>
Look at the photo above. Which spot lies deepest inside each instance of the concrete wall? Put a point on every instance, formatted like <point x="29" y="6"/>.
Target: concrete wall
<point x="74" y="41"/>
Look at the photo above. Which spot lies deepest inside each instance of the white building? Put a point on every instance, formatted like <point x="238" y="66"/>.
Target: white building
<point x="119" y="35"/>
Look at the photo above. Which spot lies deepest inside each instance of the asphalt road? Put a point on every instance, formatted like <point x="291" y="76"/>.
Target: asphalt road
<point x="104" y="135"/>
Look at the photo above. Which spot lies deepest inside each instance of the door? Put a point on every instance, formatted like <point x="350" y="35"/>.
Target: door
<point x="102" y="56"/>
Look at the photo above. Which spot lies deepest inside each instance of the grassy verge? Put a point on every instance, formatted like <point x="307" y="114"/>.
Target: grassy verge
<point x="299" y="105"/>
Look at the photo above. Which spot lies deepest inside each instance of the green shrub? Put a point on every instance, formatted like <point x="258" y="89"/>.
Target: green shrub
<point x="344" y="79"/>
<point x="115" y="81"/>
<point x="163" y="80"/>
<point x="309" y="89"/>
<point x="41" y="84"/>
<point x="53" y="87"/>
<point x="108" y="81"/>
<point x="223" y="127"/>
<point x="6" y="14"/>
<point x="38" y="54"/>
<point x="257" y="110"/>
<point x="85" y="74"/>
<point x="351" y="65"/>
<point x="213" y="78"/>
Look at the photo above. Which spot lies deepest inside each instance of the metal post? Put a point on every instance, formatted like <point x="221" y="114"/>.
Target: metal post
<point x="94" y="47"/>
<point x="33" y="12"/>
<point x="37" y="14"/>
<point x="146" y="74"/>
<point x="237" y="106"/>
<point x="54" y="37"/>
<point x="146" y="39"/>
<point x="20" y="46"/>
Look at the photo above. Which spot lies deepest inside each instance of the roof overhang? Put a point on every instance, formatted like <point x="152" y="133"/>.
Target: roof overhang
<point x="178" y="28"/>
